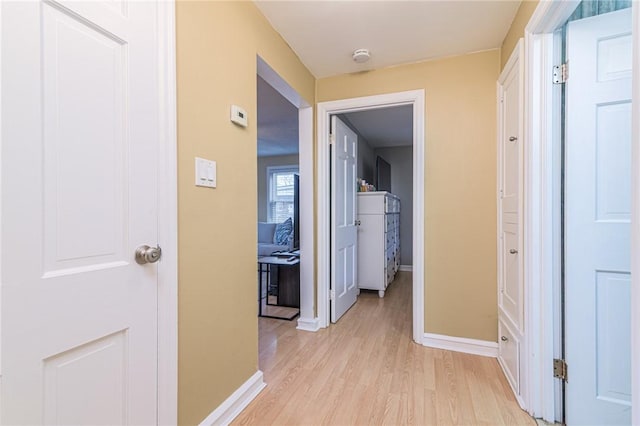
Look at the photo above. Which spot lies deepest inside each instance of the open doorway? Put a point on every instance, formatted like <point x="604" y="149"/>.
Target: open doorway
<point x="285" y="144"/>
<point x="371" y="187"/>
<point x="278" y="204"/>
<point x="415" y="101"/>
<point x="385" y="159"/>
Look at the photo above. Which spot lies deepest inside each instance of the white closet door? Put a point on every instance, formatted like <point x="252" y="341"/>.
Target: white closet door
<point x="510" y="176"/>
<point x="597" y="220"/>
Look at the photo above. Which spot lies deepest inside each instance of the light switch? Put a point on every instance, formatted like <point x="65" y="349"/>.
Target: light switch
<point x="205" y="172"/>
<point x="211" y="173"/>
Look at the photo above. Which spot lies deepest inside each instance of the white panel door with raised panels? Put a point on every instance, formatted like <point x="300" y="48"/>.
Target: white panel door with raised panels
<point x="510" y="172"/>
<point x="80" y="121"/>
<point x="597" y="220"/>
<point x="344" y="235"/>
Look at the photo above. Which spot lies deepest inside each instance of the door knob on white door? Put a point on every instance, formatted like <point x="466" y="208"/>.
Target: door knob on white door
<point x="504" y="338"/>
<point x="146" y="254"/>
<point x="513" y="251"/>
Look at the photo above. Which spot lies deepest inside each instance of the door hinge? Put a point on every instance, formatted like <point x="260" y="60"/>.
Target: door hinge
<point x="332" y="295"/>
<point x="332" y="139"/>
<point x="560" y="369"/>
<point x="560" y="74"/>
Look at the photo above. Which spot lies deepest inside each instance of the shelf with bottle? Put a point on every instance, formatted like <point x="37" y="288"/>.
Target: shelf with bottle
<point x="363" y="186"/>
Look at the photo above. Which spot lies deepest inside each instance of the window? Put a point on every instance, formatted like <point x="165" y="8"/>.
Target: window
<point x="280" y="190"/>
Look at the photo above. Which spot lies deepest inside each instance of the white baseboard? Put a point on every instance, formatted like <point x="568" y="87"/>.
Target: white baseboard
<point x="308" y="324"/>
<point x="461" y="344"/>
<point x="406" y="268"/>
<point x="238" y="401"/>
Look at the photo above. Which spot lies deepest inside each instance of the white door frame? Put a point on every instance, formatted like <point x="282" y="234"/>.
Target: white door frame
<point x="541" y="226"/>
<point x="167" y="403"/>
<point x="635" y="221"/>
<point x="307" y="320"/>
<point x="167" y="218"/>
<point x="416" y="98"/>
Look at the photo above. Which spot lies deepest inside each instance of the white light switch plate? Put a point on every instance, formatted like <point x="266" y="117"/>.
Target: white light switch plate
<point x="205" y="173"/>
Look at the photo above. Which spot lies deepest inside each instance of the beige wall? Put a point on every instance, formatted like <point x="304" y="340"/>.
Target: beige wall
<point x="217" y="44"/>
<point x="460" y="183"/>
<point x="263" y="163"/>
<point x="516" y="31"/>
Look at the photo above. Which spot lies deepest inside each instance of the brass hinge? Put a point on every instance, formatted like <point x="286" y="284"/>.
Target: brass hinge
<point x="332" y="295"/>
<point x="560" y="369"/>
<point x="560" y="74"/>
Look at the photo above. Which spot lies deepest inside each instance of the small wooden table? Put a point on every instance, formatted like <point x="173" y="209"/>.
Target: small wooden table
<point x="288" y="284"/>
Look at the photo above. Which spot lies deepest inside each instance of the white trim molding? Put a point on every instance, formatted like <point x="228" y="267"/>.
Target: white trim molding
<point x="406" y="268"/>
<point x="416" y="98"/>
<point x="167" y="408"/>
<point x="540" y="220"/>
<point x="2" y="142"/>
<point x="307" y="232"/>
<point x="635" y="222"/>
<point x="461" y="344"/>
<point x="308" y="324"/>
<point x="238" y="401"/>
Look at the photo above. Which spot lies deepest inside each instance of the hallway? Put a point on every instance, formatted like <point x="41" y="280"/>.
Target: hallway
<point x="366" y="370"/>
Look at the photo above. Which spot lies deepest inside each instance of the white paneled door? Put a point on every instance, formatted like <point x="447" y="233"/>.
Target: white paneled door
<point x="597" y="220"/>
<point x="510" y="173"/>
<point x="344" y="235"/>
<point x="80" y="119"/>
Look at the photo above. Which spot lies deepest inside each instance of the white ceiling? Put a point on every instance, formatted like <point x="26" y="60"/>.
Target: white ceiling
<point x="324" y="34"/>
<point x="384" y="127"/>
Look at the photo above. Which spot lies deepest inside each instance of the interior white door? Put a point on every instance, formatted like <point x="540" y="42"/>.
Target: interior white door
<point x="344" y="235"/>
<point x="80" y="117"/>
<point x="597" y="220"/>
<point x="510" y="173"/>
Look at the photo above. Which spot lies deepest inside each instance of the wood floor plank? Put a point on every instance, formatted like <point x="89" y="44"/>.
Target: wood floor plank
<point x="366" y="370"/>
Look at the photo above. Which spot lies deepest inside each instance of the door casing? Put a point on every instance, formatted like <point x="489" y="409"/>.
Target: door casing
<point x="542" y="226"/>
<point x="167" y="407"/>
<point x="416" y="98"/>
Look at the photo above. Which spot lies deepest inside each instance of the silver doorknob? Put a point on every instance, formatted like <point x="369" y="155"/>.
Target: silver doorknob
<point x="513" y="251"/>
<point x="513" y="139"/>
<point x="146" y="254"/>
<point x="504" y="338"/>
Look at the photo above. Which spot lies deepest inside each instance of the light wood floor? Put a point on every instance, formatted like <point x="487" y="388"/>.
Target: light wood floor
<point x="366" y="370"/>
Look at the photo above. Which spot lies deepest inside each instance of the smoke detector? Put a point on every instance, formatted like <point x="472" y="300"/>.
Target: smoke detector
<point x="361" y="55"/>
